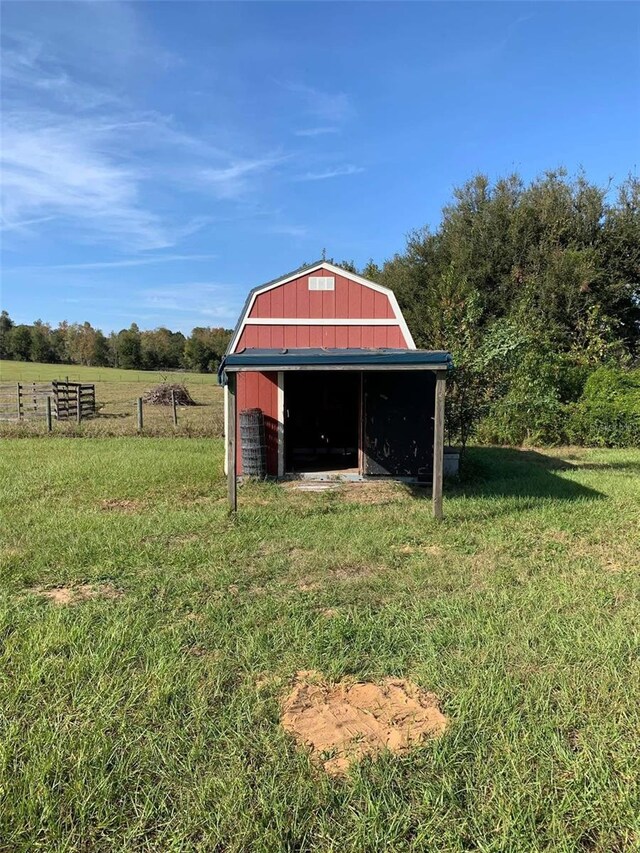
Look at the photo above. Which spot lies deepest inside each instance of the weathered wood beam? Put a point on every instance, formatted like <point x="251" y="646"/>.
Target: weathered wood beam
<point x="232" y="486"/>
<point x="438" y="443"/>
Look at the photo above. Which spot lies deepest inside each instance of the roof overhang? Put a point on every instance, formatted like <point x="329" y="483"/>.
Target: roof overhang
<point x="332" y="359"/>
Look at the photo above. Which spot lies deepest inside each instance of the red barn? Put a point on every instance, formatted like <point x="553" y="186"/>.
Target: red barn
<point x="329" y="359"/>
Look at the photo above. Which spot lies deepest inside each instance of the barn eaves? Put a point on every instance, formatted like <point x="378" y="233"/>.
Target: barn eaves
<point x="333" y="359"/>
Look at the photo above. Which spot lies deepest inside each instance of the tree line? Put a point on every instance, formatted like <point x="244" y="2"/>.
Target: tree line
<point x="535" y="290"/>
<point x="533" y="287"/>
<point x="81" y="343"/>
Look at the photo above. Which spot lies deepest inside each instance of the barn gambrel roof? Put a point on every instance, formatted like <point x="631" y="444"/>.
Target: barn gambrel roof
<point x="304" y="270"/>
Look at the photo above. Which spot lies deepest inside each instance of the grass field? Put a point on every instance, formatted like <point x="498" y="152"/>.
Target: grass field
<point x="148" y="719"/>
<point x="116" y="394"/>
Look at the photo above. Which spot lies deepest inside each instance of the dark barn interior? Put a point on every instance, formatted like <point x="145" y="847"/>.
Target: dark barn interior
<point x="398" y="423"/>
<point x="376" y="422"/>
<point x="322" y="420"/>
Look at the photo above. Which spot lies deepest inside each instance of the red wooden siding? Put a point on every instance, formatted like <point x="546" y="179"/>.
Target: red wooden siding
<point x="260" y="390"/>
<point x="325" y="335"/>
<point x="348" y="300"/>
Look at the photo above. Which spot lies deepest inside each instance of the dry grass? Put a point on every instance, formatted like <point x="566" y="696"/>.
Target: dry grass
<point x="117" y="392"/>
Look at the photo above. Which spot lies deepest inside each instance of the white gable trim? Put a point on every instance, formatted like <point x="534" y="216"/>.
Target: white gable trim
<point x="325" y="265"/>
<point x="319" y="321"/>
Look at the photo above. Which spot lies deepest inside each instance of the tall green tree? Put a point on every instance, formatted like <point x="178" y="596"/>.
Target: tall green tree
<point x="555" y="262"/>
<point x="41" y="349"/>
<point x="20" y="342"/>
<point x="162" y="349"/>
<point x="205" y="347"/>
<point x="6" y="324"/>
<point x="129" y="348"/>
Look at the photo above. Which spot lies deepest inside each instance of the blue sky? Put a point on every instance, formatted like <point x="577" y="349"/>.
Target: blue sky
<point x="159" y="159"/>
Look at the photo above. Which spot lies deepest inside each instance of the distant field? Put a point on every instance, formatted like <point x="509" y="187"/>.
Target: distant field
<point x="27" y="371"/>
<point x="147" y="717"/>
<point x="116" y="394"/>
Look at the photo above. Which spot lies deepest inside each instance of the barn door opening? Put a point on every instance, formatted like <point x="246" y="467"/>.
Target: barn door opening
<point x="322" y="414"/>
<point x="398" y="422"/>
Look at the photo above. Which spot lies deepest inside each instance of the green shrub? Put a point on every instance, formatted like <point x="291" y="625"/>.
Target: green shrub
<point x="512" y="422"/>
<point x="608" y="412"/>
<point x="530" y="410"/>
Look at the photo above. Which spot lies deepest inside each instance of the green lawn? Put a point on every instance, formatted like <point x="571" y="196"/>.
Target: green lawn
<point x="150" y="721"/>
<point x="27" y="371"/>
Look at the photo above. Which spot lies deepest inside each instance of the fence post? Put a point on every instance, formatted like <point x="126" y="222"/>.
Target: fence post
<point x="19" y="390"/>
<point x="48" y="412"/>
<point x="78" y="404"/>
<point x="173" y="406"/>
<point x="140" y="413"/>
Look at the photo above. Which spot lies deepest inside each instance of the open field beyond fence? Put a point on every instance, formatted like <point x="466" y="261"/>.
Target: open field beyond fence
<point x="148" y="640"/>
<point x="116" y="394"/>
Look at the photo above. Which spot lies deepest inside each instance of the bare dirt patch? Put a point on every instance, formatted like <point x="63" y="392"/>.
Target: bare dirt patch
<point x="344" y="722"/>
<point x="115" y="505"/>
<point x="64" y="595"/>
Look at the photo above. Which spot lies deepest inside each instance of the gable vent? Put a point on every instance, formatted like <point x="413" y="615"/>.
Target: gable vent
<point x="322" y="282"/>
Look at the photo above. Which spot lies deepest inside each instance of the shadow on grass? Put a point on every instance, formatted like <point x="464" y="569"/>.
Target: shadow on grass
<point x="511" y="473"/>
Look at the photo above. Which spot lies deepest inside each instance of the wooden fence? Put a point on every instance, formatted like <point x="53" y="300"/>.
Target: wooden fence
<point x="21" y="401"/>
<point x="73" y="401"/>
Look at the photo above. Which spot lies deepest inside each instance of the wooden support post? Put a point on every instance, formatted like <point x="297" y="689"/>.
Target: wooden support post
<point x="438" y="444"/>
<point x="139" y="407"/>
<point x="78" y="404"/>
<point x="173" y="406"/>
<point x="48" y="412"/>
<point x="231" y="443"/>
<point x="19" y="396"/>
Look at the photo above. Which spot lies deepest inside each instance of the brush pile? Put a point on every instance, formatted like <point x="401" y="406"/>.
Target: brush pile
<point x="161" y="395"/>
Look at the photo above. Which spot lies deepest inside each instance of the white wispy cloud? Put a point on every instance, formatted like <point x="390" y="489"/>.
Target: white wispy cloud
<point x="210" y="300"/>
<point x="24" y="224"/>
<point x="60" y="169"/>
<point x="337" y="172"/>
<point x="180" y="305"/>
<point x="328" y="107"/>
<point x="234" y="179"/>
<point x="79" y="156"/>
<point x="289" y="230"/>
<point x="144" y="260"/>
<point x="316" y="131"/>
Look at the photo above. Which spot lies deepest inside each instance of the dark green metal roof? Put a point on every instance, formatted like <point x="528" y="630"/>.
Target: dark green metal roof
<point x="325" y="359"/>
